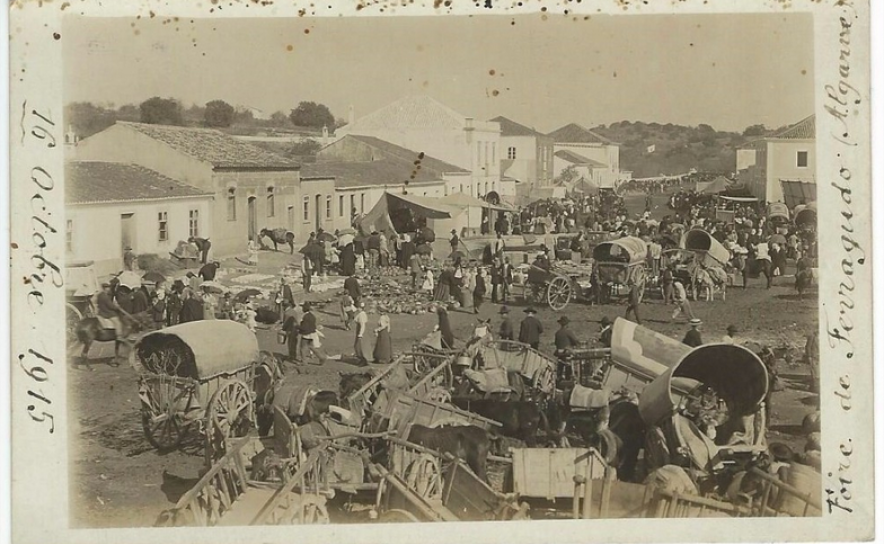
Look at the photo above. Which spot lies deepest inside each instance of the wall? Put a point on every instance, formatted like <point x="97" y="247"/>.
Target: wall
<point x="231" y="237"/>
<point x="97" y="230"/>
<point x="745" y="159"/>
<point x="544" y="160"/>
<point x="782" y="164"/>
<point x="754" y="175"/>
<point x="307" y="223"/>
<point x="525" y="165"/>
<point x="605" y="154"/>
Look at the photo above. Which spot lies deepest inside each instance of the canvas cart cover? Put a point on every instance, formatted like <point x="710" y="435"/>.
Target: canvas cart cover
<point x="778" y="210"/>
<point x="700" y="240"/>
<point x="199" y="350"/>
<point x="80" y="279"/>
<point x="805" y="214"/>
<point x="629" y="250"/>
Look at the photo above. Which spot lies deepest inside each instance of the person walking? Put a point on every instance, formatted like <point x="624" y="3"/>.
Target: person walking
<point x="415" y="266"/>
<point x="479" y="290"/>
<point x="454" y="241"/>
<point x="633" y="303"/>
<point x="444" y="327"/>
<point x="506" y="325"/>
<point x="680" y="298"/>
<point x="306" y="273"/>
<point x="565" y="341"/>
<point x="667" y="280"/>
<point x="693" y="337"/>
<point x="352" y="287"/>
<point x="530" y="329"/>
<point x="309" y="333"/>
<point x="360" y="346"/>
<point x="506" y="279"/>
<point x="291" y="327"/>
<point x="383" y="347"/>
<point x="252" y="248"/>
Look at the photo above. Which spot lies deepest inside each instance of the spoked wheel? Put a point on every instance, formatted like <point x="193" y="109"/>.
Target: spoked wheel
<point x="72" y="320"/>
<point x="558" y="293"/>
<point x="230" y="414"/>
<point x="162" y="415"/>
<point x="424" y="476"/>
<point x="640" y="279"/>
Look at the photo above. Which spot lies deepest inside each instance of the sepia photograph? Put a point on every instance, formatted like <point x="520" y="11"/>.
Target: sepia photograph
<point x="459" y="268"/>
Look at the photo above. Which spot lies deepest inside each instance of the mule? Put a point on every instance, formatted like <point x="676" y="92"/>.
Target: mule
<point x="750" y="267"/>
<point x="710" y="280"/>
<point x="278" y="236"/>
<point x="90" y="330"/>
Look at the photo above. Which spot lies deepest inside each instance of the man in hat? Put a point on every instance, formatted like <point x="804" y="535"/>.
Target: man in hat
<point x="108" y="309"/>
<point x="693" y="338"/>
<point x="203" y="245"/>
<point x="565" y="340"/>
<point x="606" y="332"/>
<point x="506" y="325"/>
<point x="633" y="303"/>
<point x="730" y="337"/>
<point x="680" y="298"/>
<point x="530" y="329"/>
<point x="506" y="279"/>
<point x="291" y="325"/>
<point x="128" y="258"/>
<point x="454" y="241"/>
<point x="207" y="271"/>
<point x="310" y="335"/>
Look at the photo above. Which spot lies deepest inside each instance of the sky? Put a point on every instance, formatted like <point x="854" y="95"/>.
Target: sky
<point x="728" y="71"/>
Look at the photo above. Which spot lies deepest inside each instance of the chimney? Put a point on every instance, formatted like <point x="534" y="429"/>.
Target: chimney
<point x="324" y="135"/>
<point x="351" y="117"/>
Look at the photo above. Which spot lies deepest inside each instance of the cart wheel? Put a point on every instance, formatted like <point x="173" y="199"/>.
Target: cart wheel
<point x="558" y="293"/>
<point x="231" y="412"/>
<point x="73" y="318"/>
<point x="398" y="516"/>
<point x="546" y="381"/>
<point x="163" y="423"/>
<point x="640" y="278"/>
<point x="424" y="476"/>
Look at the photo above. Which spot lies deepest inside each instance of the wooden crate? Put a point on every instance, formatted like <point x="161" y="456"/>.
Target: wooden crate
<point x="548" y="473"/>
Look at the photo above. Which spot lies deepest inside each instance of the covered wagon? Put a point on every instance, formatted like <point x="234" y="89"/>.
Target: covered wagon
<point x="205" y="374"/>
<point x="622" y="262"/>
<point x="707" y="250"/>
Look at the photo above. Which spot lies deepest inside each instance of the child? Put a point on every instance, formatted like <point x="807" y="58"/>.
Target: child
<point x="348" y="310"/>
<point x="429" y="284"/>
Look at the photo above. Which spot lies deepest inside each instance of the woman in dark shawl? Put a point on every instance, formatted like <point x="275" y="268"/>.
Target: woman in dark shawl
<point x="348" y="260"/>
<point x="445" y="328"/>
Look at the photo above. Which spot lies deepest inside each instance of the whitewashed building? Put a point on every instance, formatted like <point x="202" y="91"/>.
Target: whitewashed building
<point x="111" y="206"/>
<point x="787" y="159"/>
<point x="578" y="146"/>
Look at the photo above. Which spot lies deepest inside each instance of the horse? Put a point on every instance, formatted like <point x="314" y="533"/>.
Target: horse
<point x="750" y="267"/>
<point x="90" y="330"/>
<point x="710" y="279"/>
<point x="278" y="236"/>
<point x="804" y="279"/>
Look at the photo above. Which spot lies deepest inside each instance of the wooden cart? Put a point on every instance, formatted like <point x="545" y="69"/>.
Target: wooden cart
<point x="423" y="485"/>
<point x="204" y="374"/>
<point x="622" y="262"/>
<point x="81" y="284"/>
<point x="399" y="411"/>
<point x="559" y="285"/>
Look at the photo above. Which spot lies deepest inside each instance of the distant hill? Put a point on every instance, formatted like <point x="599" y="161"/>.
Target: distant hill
<point x="678" y="148"/>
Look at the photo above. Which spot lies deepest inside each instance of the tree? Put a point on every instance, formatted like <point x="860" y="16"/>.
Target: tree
<point x="218" y="114"/>
<point x="244" y="116"/>
<point x="162" y="111"/>
<point x="279" y="119"/>
<point x="311" y="114"/>
<point x="754" y="130"/>
<point x="567" y="176"/>
<point x="340" y="122"/>
<point x="85" y="118"/>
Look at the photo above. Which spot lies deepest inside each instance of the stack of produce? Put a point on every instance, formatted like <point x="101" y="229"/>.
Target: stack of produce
<point x="391" y="296"/>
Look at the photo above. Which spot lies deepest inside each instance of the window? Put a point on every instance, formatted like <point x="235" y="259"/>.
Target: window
<point x="328" y="207"/>
<point x="352" y="205"/>
<point x="163" y="226"/>
<point x="271" y="202"/>
<point x="341" y="206"/>
<point x="231" y="204"/>
<point x="306" y="208"/>
<point x="511" y="153"/>
<point x="362" y="203"/>
<point x="493" y="153"/>
<point x="487" y="154"/>
<point x="69" y="235"/>
<point x="194" y="223"/>
<point x="802" y="159"/>
<point x="446" y="190"/>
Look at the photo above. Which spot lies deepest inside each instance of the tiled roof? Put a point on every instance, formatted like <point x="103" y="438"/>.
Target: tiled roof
<point x="409" y="112"/>
<point x="577" y="158"/>
<point x="365" y="173"/>
<point x="213" y="146"/>
<point x="576" y="134"/>
<point x="90" y="182"/>
<point x="512" y="128"/>
<point x="802" y="130"/>
<point x="407" y="155"/>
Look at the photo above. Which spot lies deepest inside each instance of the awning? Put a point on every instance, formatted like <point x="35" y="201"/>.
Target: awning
<point x="739" y="198"/>
<point x="469" y="201"/>
<point x="797" y="191"/>
<point x="378" y="218"/>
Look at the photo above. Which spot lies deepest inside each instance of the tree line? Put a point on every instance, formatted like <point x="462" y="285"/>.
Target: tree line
<point x="87" y="118"/>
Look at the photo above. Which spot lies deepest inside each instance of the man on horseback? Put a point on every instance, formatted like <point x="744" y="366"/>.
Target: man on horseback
<point x="108" y="309"/>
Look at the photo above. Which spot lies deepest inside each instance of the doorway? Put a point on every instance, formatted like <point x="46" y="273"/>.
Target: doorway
<point x="253" y="218"/>
<point x="318" y="212"/>
<point x="291" y="218"/>
<point x="127" y="231"/>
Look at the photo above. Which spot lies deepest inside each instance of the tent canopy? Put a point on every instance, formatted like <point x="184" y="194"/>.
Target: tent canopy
<point x="378" y="218"/>
<point x="745" y="199"/>
<point x="468" y="201"/>
<point x="718" y="185"/>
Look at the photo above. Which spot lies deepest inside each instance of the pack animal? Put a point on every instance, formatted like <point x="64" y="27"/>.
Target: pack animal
<point x="90" y="330"/>
<point x="469" y="443"/>
<point x="278" y="236"/>
<point x="710" y="280"/>
<point x="519" y="419"/>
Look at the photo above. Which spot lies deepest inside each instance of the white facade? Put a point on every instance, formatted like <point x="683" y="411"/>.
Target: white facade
<point x="769" y="162"/>
<point x="99" y="232"/>
<point x="606" y="175"/>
